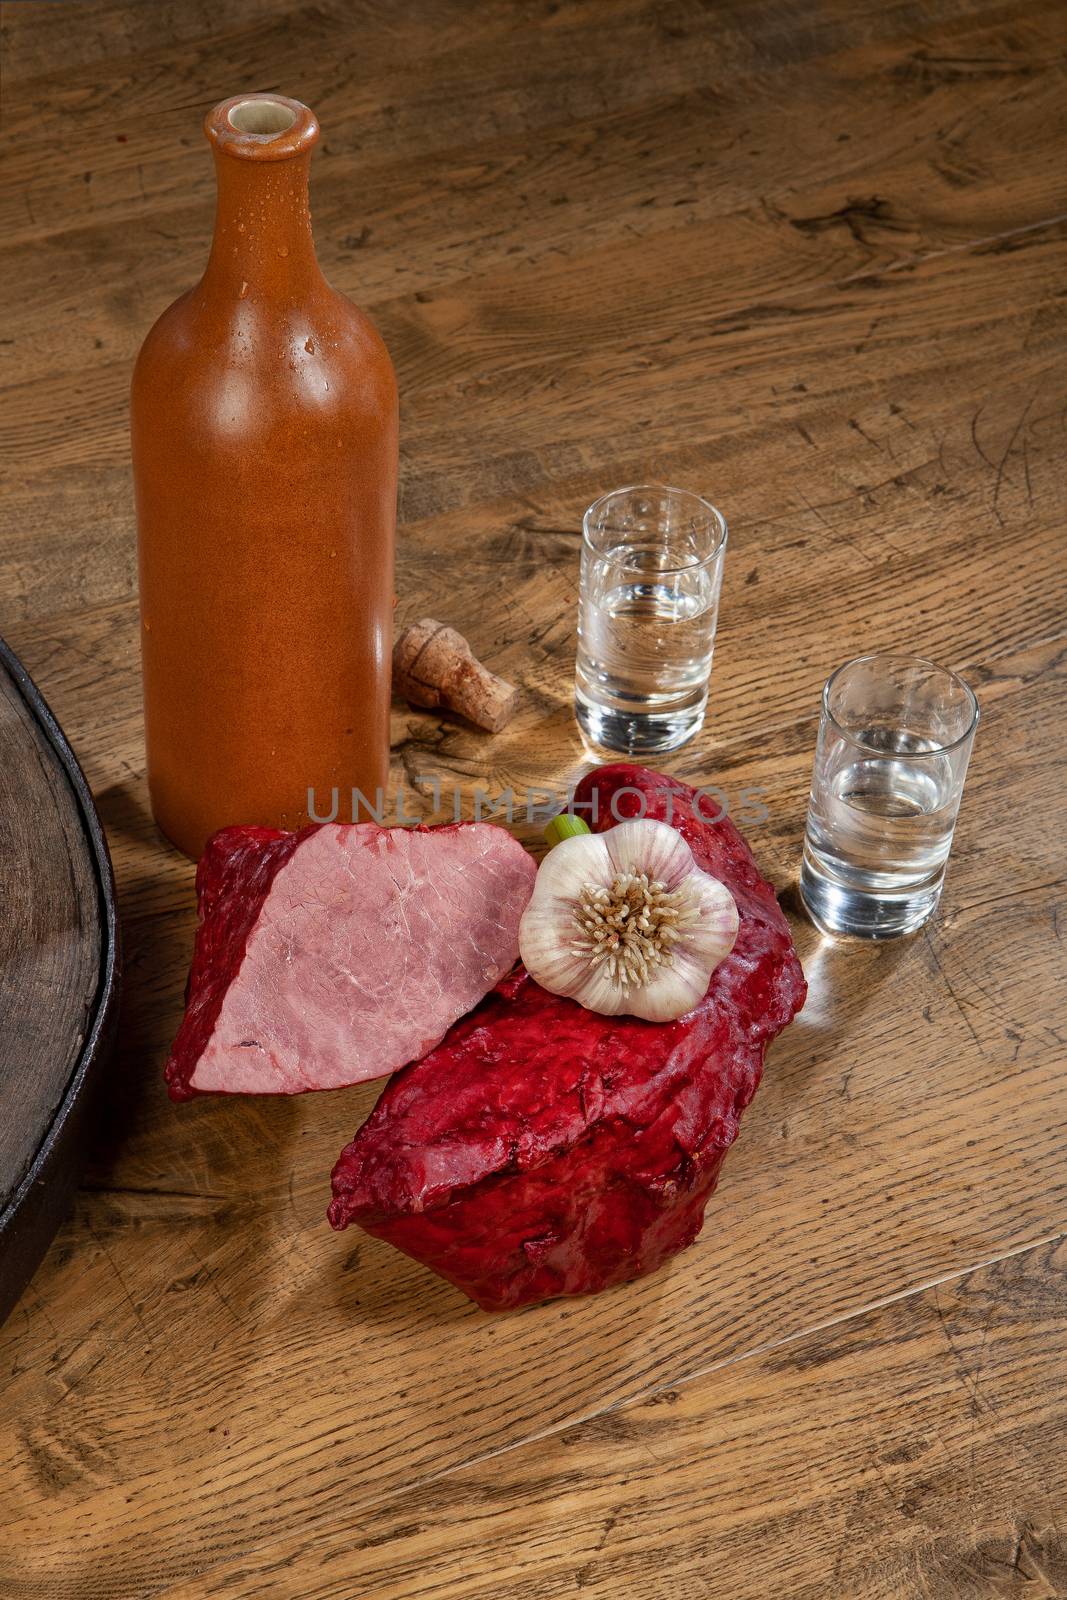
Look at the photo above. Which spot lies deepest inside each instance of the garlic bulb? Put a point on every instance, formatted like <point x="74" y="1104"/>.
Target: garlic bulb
<point x="625" y="921"/>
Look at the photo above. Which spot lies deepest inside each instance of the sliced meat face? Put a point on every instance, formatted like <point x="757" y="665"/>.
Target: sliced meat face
<point x="367" y="944"/>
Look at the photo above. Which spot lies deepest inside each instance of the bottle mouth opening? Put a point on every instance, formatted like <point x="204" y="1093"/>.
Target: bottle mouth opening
<point x="261" y="127"/>
<point x="261" y="117"/>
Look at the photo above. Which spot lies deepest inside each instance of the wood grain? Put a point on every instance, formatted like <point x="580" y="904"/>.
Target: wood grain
<point x="808" y="259"/>
<point x="911" y="1450"/>
<point x="58" y="975"/>
<point x="50" y="938"/>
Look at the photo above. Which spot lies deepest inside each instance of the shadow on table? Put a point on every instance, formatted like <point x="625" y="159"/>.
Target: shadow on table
<point x="212" y="1145"/>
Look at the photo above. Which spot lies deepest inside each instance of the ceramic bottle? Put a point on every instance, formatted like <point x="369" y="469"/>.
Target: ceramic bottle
<point x="264" y="435"/>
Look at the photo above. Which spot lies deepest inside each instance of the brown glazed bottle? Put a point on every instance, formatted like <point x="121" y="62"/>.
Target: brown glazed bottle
<point x="264" y="432"/>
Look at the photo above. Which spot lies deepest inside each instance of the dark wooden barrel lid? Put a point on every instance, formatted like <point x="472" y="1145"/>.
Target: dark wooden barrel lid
<point x="59" y="972"/>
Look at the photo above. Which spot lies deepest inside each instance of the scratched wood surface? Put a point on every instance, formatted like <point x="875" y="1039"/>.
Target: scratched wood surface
<point x="810" y="259"/>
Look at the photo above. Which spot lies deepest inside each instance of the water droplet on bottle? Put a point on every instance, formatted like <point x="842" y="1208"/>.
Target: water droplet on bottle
<point x="243" y="290"/>
<point x="309" y="346"/>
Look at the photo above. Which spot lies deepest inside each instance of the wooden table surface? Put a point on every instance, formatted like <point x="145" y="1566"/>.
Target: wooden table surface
<point x="808" y="256"/>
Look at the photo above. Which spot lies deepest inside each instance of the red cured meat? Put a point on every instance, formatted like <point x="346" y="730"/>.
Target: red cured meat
<point x="542" y="1149"/>
<point x="341" y="952"/>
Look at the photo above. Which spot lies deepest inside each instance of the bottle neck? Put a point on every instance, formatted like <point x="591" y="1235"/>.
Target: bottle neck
<point x="262" y="243"/>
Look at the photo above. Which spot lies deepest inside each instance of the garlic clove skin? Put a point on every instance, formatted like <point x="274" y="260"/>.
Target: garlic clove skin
<point x="673" y="991"/>
<point x="645" y="845"/>
<point x="696" y="933"/>
<point x="582" y="859"/>
<point x="544" y="945"/>
<point x="713" y="933"/>
<point x="595" y="991"/>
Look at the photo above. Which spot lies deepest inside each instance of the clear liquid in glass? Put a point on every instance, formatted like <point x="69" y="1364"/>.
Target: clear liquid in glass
<point x="895" y="737"/>
<point x="644" y="654"/>
<point x="879" y="834"/>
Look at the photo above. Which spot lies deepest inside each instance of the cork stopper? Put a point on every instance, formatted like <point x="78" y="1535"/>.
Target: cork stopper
<point x="434" y="666"/>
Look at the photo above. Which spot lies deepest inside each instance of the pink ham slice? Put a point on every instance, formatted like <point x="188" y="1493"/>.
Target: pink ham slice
<point x="342" y="952"/>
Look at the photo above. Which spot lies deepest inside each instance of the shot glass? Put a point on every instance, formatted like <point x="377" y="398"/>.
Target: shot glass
<point x="894" y="741"/>
<point x="652" y="560"/>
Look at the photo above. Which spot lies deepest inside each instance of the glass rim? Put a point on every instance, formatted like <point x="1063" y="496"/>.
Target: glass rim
<point x="915" y="661"/>
<point x="715" y="514"/>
